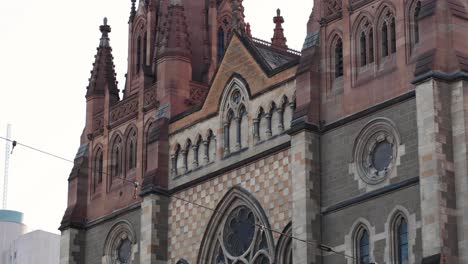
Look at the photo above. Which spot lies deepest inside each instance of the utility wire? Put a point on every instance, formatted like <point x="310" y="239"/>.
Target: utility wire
<point x="136" y="185"/>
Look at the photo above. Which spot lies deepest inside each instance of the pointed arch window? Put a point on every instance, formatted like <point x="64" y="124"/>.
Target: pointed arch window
<point x="401" y="240"/>
<point x="131" y="153"/>
<point x="116" y="158"/>
<point x="338" y="58"/>
<point x="98" y="168"/>
<point x="235" y="116"/>
<point x="138" y="54"/>
<point x="362" y="246"/>
<point x="387" y="33"/>
<point x="363" y="48"/>
<point x="220" y="44"/>
<point x="235" y="234"/>
<point x="415" y="11"/>
<point x="145" y="48"/>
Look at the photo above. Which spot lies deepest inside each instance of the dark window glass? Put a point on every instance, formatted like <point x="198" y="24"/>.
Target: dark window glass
<point x="402" y="231"/>
<point x="125" y="251"/>
<point x="364" y="248"/>
<point x="220" y="44"/>
<point x="99" y="167"/>
<point x="145" y="49"/>
<point x="393" y="35"/>
<point x="363" y="49"/>
<point x="382" y="155"/>
<point x="138" y="55"/>
<point x="132" y="159"/>
<point x="117" y="162"/>
<point x="371" y="45"/>
<point x="339" y="59"/>
<point x="239" y="231"/>
<point x="384" y="40"/>
<point x="416" y="22"/>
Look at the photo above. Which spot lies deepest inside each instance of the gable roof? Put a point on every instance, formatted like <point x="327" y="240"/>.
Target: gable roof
<point x="260" y="67"/>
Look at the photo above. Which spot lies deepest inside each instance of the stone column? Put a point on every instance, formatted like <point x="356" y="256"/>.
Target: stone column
<point x="268" y="129"/>
<point x="306" y="224"/>
<point x="154" y="229"/>
<point x="237" y="120"/>
<point x="226" y="139"/>
<point x="256" y="129"/>
<point x="281" y="120"/>
<point x="206" y="155"/>
<point x="174" y="165"/>
<point x="195" y="156"/>
<point x="436" y="171"/>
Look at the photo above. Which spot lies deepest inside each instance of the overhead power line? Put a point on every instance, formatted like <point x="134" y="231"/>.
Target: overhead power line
<point x="136" y="184"/>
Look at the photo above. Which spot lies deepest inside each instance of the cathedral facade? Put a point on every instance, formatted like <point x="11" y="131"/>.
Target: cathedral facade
<point x="228" y="149"/>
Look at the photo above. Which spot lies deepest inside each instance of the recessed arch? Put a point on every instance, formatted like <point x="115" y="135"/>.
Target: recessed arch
<point x="284" y="246"/>
<point x="240" y="209"/>
<point x="121" y="242"/>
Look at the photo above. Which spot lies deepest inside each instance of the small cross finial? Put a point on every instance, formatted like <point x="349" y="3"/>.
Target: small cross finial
<point x="278" y="12"/>
<point x="105" y="21"/>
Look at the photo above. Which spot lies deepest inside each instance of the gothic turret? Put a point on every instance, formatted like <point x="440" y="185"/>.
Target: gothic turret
<point x="102" y="88"/>
<point x="174" y="65"/>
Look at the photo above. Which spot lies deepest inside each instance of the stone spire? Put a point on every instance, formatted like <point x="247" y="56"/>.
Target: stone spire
<point x="175" y="38"/>
<point x="238" y="23"/>
<point x="103" y="73"/>
<point x="278" y="40"/>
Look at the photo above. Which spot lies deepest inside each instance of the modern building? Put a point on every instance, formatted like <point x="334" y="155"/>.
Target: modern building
<point x="19" y="247"/>
<point x="229" y="149"/>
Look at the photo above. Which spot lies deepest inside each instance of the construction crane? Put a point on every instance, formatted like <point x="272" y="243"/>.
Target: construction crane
<point x="7" y="163"/>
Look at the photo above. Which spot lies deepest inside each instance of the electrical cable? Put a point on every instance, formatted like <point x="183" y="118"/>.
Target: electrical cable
<point x="136" y="185"/>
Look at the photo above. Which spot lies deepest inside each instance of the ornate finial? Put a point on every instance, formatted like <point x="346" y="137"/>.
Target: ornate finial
<point x="248" y="31"/>
<point x="105" y="30"/>
<point x="278" y="40"/>
<point x="238" y="23"/>
<point x="132" y="11"/>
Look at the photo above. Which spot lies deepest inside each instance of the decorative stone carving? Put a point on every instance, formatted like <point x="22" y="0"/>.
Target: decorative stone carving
<point x="150" y="101"/>
<point x="98" y="124"/>
<point x="125" y="109"/>
<point x="332" y="7"/>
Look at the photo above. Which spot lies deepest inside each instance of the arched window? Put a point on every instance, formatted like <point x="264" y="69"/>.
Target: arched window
<point x="145" y="48"/>
<point x="220" y="44"/>
<point x="284" y="247"/>
<point x="363" y="246"/>
<point x="98" y="168"/>
<point x="363" y="48"/>
<point x="401" y="240"/>
<point x="234" y="233"/>
<point x="234" y="117"/>
<point x="338" y="60"/>
<point x="365" y="42"/>
<point x="116" y="158"/>
<point x="415" y="11"/>
<point x="131" y="155"/>
<point x="387" y="33"/>
<point x="138" y="55"/>
<point x="120" y="246"/>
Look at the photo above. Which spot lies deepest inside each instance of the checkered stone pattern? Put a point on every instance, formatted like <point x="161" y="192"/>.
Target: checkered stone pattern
<point x="268" y="179"/>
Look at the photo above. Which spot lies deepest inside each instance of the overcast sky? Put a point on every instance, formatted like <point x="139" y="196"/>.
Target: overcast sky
<point x="47" y="49"/>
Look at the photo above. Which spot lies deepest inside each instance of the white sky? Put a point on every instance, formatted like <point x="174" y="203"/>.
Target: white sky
<point x="46" y="53"/>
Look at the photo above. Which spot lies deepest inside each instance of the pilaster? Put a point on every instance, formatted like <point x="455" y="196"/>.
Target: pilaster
<point x="154" y="229"/>
<point x="437" y="181"/>
<point x="306" y="222"/>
